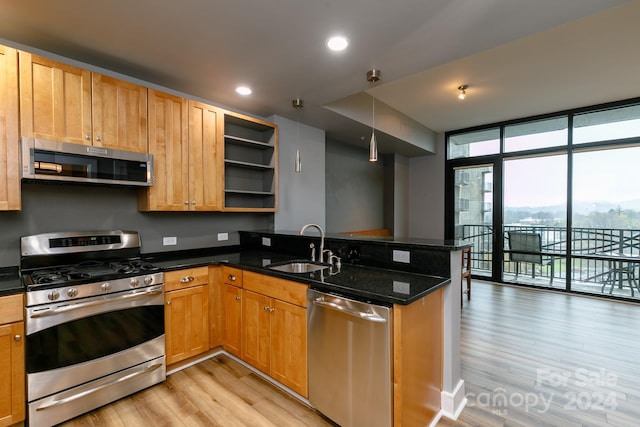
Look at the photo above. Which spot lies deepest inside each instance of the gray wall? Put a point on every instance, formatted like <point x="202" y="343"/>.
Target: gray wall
<point x="400" y="196"/>
<point x="426" y="194"/>
<point x="396" y="194"/>
<point x="300" y="195"/>
<point x="54" y="207"/>
<point x="354" y="189"/>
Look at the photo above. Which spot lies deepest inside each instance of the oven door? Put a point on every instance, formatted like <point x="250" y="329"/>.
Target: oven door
<point x="70" y="343"/>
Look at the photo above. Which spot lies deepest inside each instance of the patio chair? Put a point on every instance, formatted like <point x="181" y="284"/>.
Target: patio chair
<point x="527" y="247"/>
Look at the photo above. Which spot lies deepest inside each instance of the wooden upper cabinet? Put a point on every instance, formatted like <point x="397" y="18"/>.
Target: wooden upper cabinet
<point x="168" y="137"/>
<point x="119" y="114"/>
<point x="55" y="100"/>
<point x="61" y="102"/>
<point x="205" y="171"/>
<point x="9" y="131"/>
<point x="183" y="140"/>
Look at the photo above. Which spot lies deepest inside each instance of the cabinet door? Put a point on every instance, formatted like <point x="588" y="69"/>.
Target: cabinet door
<point x="232" y="320"/>
<point x="256" y="319"/>
<point x="119" y="114"/>
<point x="12" y="389"/>
<point x="205" y="173"/>
<point x="186" y="323"/>
<point x="289" y="346"/>
<point x="9" y="147"/>
<point x="168" y="131"/>
<point x="55" y="100"/>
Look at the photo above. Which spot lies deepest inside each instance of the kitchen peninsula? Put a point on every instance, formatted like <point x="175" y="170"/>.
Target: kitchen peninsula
<point x="419" y="278"/>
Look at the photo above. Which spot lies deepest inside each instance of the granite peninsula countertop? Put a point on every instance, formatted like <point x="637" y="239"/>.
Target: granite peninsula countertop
<point x="378" y="285"/>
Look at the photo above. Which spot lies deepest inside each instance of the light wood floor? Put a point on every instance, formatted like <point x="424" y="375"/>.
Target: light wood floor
<point x="538" y="358"/>
<point x="529" y="358"/>
<point x="216" y="392"/>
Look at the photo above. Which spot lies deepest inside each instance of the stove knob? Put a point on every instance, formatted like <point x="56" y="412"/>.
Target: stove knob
<point x="148" y="280"/>
<point x="106" y="287"/>
<point x="53" y="295"/>
<point x="135" y="283"/>
<point x="72" y="292"/>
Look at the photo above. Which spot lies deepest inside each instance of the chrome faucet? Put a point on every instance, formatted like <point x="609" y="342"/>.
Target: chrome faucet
<point x="321" y="249"/>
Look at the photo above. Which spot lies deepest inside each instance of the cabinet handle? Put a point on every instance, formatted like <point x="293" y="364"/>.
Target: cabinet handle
<point x="237" y="298"/>
<point x="17" y="338"/>
<point x="269" y="309"/>
<point x="186" y="202"/>
<point x="193" y="202"/>
<point x="169" y="302"/>
<point x="87" y="137"/>
<point x="187" y="279"/>
<point x="232" y="277"/>
<point x="98" y="138"/>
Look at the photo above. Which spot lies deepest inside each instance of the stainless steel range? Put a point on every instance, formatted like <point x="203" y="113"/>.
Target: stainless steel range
<point x="94" y="322"/>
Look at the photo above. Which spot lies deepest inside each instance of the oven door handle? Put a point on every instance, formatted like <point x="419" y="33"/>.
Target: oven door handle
<point x="81" y="394"/>
<point x="130" y="296"/>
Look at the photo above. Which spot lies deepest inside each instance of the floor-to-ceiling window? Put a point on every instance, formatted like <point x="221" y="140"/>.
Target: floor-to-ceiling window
<point x="551" y="201"/>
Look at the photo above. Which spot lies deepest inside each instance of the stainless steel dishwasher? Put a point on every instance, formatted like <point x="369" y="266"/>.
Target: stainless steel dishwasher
<point x="349" y="360"/>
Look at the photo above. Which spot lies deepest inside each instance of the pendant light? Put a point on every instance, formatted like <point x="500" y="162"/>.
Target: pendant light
<point x="373" y="76"/>
<point x="297" y="104"/>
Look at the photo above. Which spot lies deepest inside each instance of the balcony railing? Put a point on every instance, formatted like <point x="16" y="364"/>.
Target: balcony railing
<point x="601" y="257"/>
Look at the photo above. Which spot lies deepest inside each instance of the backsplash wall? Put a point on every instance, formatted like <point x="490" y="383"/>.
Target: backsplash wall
<point x="66" y="207"/>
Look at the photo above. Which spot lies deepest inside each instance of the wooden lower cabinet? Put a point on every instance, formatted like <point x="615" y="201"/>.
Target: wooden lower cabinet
<point x="266" y="325"/>
<point x="231" y="281"/>
<point x="232" y="319"/>
<point x="12" y="371"/>
<point x="417" y="360"/>
<point x="186" y="313"/>
<point x="289" y="345"/>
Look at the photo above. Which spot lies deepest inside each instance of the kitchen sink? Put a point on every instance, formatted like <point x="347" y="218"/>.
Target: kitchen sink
<point x="298" y="266"/>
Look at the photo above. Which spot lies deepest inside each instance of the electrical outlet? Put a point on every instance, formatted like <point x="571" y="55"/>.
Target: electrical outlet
<point x="401" y="256"/>
<point x="223" y="236"/>
<point x="401" y="287"/>
<point x="266" y="241"/>
<point x="169" y="241"/>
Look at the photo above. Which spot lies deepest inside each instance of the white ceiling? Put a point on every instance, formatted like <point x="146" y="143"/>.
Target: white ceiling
<point x="518" y="57"/>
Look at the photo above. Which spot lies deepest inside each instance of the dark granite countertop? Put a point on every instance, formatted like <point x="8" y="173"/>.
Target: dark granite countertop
<point x="10" y="282"/>
<point x="368" y="283"/>
<point x="440" y="244"/>
<point x="381" y="285"/>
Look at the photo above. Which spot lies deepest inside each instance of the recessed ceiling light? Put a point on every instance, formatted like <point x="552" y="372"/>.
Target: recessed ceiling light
<point x="243" y="90"/>
<point x="337" y="43"/>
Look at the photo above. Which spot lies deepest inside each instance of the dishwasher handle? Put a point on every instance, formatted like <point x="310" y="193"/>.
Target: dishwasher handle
<point x="372" y="317"/>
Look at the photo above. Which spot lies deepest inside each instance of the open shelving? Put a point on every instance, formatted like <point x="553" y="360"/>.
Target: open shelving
<point x="250" y="160"/>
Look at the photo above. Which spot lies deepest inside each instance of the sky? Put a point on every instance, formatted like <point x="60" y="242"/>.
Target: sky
<point x="607" y="176"/>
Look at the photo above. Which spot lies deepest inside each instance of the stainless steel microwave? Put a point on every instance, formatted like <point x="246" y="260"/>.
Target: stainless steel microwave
<point x="63" y="161"/>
